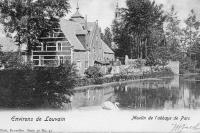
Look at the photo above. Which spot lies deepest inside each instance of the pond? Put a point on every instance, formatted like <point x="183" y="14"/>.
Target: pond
<point x="163" y="93"/>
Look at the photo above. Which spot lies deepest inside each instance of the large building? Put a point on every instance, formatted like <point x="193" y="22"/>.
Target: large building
<point x="76" y="40"/>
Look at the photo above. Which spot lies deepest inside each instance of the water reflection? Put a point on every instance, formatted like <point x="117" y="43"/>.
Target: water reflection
<point x="166" y="93"/>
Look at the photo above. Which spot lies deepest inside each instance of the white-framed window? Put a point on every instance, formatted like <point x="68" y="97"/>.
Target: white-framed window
<point x="42" y="60"/>
<point x="61" y="58"/>
<point x="78" y="64"/>
<point x="59" y="46"/>
<point x="44" y="47"/>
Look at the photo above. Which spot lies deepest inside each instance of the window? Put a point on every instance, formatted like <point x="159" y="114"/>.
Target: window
<point x="44" y="46"/>
<point x="35" y="57"/>
<point x="61" y="60"/>
<point x="36" y="62"/>
<point x="59" y="46"/>
<point x="86" y="64"/>
<point x="51" y="48"/>
<point x="42" y="60"/>
<point x="78" y="64"/>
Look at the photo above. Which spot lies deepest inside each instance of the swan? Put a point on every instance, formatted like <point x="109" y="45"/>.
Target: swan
<point x="110" y="106"/>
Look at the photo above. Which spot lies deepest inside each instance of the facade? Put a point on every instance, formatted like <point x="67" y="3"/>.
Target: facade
<point x="75" y="40"/>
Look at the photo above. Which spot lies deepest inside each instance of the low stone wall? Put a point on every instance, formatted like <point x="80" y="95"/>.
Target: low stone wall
<point x="174" y="66"/>
<point x="126" y="69"/>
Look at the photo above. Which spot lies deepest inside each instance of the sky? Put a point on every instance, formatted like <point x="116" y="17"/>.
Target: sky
<point x="103" y="10"/>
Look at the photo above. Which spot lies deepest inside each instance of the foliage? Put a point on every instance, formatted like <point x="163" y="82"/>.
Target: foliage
<point x="11" y="59"/>
<point x="163" y="55"/>
<point x="139" y="63"/>
<point x="141" y="28"/>
<point x="159" y="56"/>
<point x="121" y="39"/>
<point x="17" y="88"/>
<point x="186" y="65"/>
<point x="107" y="37"/>
<point x="173" y="33"/>
<point x="32" y="88"/>
<point x="191" y="30"/>
<point x="93" y="72"/>
<point x="28" y="19"/>
<point x="190" y="41"/>
<point x="54" y="83"/>
<point x="152" y="59"/>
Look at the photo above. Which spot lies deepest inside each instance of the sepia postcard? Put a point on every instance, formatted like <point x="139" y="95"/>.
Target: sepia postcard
<point x="99" y="66"/>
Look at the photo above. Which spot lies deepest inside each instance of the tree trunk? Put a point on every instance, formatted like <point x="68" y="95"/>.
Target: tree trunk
<point x="141" y="49"/>
<point x="138" y="45"/>
<point x="131" y="46"/>
<point x="146" y="48"/>
<point x="29" y="52"/>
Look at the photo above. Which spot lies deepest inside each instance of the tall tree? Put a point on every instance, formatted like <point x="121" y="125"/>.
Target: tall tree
<point x="121" y="39"/>
<point x="191" y="31"/>
<point x="173" y="33"/>
<point x="107" y="37"/>
<point x="27" y="19"/>
<point x="142" y="20"/>
<point x="190" y="40"/>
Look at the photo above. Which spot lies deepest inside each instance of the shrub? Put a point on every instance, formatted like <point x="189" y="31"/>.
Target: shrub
<point x="139" y="63"/>
<point x="109" y="70"/>
<point x="93" y="72"/>
<point x="32" y="88"/>
<point x="17" y="88"/>
<point x="55" y="82"/>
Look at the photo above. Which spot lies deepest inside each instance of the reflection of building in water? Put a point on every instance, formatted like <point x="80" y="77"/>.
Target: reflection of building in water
<point x="181" y="91"/>
<point x="147" y="84"/>
<point x="187" y="92"/>
<point x="175" y="82"/>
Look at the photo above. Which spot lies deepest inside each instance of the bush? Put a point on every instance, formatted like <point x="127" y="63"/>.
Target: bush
<point x="93" y="72"/>
<point x="32" y="88"/>
<point x="17" y="88"/>
<point x="139" y="63"/>
<point x="56" y="82"/>
<point x="109" y="70"/>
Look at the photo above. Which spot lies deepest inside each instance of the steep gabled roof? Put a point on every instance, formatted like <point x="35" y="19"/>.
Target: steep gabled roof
<point x="70" y="29"/>
<point x="106" y="49"/>
<point x="91" y="28"/>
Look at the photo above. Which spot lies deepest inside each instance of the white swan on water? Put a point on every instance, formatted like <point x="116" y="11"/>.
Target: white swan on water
<point x="110" y="106"/>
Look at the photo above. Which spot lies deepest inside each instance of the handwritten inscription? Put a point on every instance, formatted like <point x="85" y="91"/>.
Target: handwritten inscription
<point x="178" y="128"/>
